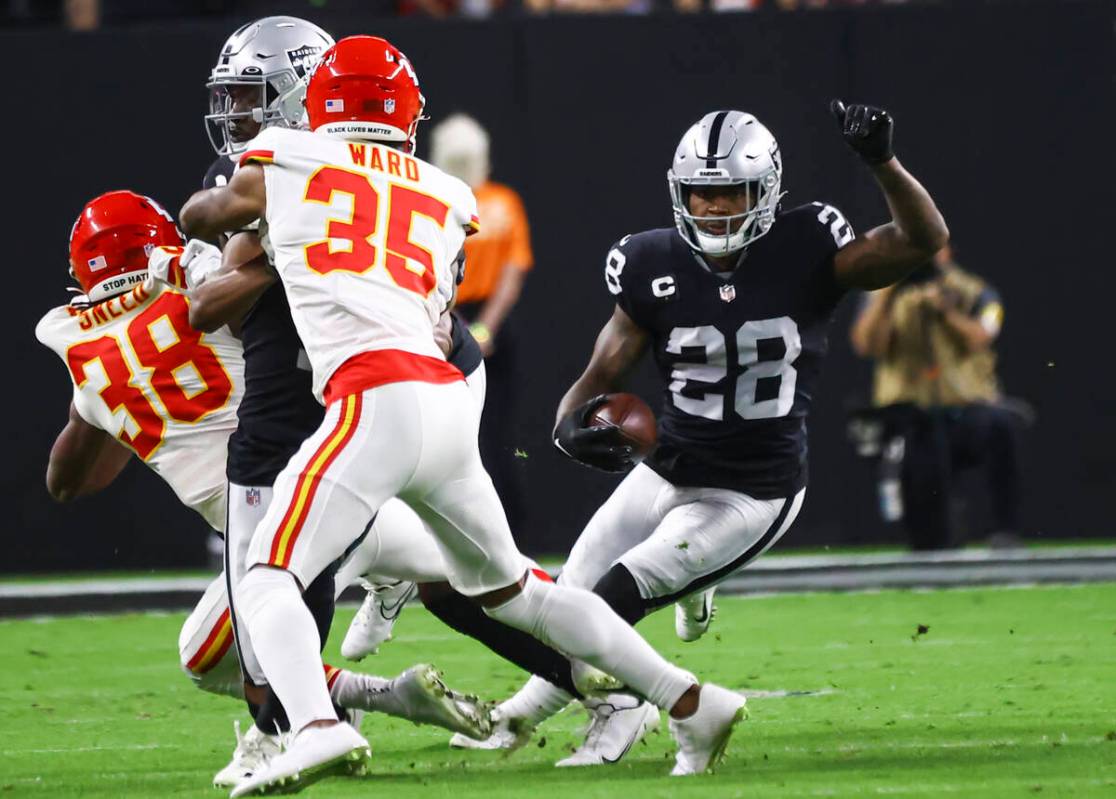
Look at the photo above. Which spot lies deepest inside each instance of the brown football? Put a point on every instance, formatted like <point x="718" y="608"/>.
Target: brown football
<point x="635" y="420"/>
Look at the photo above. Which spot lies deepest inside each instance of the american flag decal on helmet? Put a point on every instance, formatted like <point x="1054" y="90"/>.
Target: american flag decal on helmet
<point x="97" y="264"/>
<point x="334" y="106"/>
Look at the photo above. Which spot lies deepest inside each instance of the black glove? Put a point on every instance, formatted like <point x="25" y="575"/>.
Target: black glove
<point x="866" y="129"/>
<point x="602" y="447"/>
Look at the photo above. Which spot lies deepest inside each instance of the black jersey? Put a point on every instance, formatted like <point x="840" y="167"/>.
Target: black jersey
<point x="740" y="354"/>
<point x="278" y="411"/>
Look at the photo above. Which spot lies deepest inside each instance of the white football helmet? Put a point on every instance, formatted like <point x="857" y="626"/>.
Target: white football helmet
<point x="726" y="148"/>
<point x="274" y="54"/>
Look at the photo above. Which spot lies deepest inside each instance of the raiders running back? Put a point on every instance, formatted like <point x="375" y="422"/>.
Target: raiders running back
<point x="734" y="303"/>
<point x="739" y="353"/>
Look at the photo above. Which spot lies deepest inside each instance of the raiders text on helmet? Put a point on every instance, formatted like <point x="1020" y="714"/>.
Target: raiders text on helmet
<point x="273" y="55"/>
<point x="726" y="148"/>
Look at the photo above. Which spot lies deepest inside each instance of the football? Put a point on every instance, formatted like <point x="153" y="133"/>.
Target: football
<point x="634" y="418"/>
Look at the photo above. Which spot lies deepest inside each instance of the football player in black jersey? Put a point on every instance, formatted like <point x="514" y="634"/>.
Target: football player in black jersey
<point x="734" y="302"/>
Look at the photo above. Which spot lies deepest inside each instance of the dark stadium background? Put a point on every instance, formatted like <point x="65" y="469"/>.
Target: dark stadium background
<point x="1005" y="111"/>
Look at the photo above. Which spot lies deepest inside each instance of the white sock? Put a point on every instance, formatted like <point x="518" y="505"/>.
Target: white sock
<point x="535" y="702"/>
<point x="581" y="625"/>
<point x="358" y="691"/>
<point x="286" y="642"/>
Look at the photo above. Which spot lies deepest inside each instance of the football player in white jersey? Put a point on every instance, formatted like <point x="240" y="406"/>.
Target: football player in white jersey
<point x="146" y="382"/>
<point x="364" y="238"/>
<point x="258" y="81"/>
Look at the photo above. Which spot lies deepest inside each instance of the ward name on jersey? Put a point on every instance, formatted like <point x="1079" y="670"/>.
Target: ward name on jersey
<point x="164" y="390"/>
<point x="365" y="240"/>
<point x="740" y="354"/>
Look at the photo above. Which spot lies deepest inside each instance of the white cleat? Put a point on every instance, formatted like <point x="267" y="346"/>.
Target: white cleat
<point x="508" y="733"/>
<point x="693" y="614"/>
<point x="702" y="737"/>
<point x="253" y="750"/>
<point x="374" y="621"/>
<point x="421" y="696"/>
<point x="313" y="754"/>
<point x="619" y="722"/>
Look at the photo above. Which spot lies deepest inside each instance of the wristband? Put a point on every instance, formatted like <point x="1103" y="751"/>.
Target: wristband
<point x="480" y="332"/>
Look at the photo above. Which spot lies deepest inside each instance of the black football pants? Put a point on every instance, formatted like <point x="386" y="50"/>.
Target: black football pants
<point x="940" y="443"/>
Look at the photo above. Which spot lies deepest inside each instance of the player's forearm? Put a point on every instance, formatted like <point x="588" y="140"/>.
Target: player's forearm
<point x="589" y="385"/>
<point x="503" y="299"/>
<point x="201" y="216"/>
<point x="921" y="226"/>
<point x="228" y="297"/>
<point x="210" y="212"/>
<point x="82" y="461"/>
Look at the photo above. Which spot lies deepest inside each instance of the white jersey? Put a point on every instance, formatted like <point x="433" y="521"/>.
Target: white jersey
<point x="365" y="239"/>
<point x="166" y="391"/>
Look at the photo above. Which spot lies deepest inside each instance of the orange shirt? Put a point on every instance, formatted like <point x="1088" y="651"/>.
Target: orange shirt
<point x="504" y="239"/>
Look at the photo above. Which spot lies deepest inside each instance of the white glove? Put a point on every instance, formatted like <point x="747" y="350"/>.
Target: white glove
<point x="191" y="264"/>
<point x="200" y="260"/>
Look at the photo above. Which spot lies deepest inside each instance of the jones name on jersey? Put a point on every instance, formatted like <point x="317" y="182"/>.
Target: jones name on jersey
<point x="739" y="353"/>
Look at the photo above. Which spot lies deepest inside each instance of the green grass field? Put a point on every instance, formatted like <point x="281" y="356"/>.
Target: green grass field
<point x="1010" y="693"/>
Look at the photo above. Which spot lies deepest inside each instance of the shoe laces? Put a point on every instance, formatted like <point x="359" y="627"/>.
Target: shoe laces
<point x="239" y="737"/>
<point x="366" y="611"/>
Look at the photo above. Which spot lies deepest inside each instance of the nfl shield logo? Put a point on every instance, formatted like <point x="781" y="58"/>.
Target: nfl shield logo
<point x="389" y="106"/>
<point x="728" y="292"/>
<point x="252" y="496"/>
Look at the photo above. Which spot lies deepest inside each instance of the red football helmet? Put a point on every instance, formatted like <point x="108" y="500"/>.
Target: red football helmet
<point x="112" y="238"/>
<point x="365" y="88"/>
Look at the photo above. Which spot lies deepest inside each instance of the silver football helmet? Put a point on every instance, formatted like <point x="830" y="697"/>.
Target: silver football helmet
<point x="274" y="55"/>
<point x="726" y="148"/>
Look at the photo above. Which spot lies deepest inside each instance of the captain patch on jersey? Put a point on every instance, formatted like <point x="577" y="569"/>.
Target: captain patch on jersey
<point x="740" y="352"/>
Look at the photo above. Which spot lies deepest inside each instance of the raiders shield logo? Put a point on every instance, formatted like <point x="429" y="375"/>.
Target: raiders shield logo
<point x="302" y="58"/>
<point x="728" y="292"/>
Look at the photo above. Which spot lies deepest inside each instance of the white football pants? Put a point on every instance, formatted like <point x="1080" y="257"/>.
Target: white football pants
<point x="674" y="540"/>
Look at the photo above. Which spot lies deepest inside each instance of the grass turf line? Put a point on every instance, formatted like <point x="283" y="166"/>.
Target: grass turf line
<point x="1009" y="693"/>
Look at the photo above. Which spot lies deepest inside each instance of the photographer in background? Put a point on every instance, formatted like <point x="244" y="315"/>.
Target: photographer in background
<point x="932" y="338"/>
